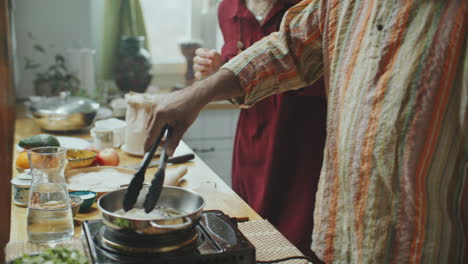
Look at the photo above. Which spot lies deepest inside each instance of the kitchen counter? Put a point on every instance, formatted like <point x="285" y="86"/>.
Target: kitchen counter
<point x="200" y="178"/>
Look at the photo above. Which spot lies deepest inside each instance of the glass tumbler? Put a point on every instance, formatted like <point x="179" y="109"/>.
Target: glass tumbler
<point x="49" y="216"/>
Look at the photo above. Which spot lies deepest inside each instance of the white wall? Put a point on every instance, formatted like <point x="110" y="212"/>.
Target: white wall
<point x="58" y="25"/>
<point x="97" y="26"/>
<point x="54" y="24"/>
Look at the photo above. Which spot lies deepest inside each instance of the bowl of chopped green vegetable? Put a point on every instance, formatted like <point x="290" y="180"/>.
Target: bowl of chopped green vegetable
<point x="58" y="255"/>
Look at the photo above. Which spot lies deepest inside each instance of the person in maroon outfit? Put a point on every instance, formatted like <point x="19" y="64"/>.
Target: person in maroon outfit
<point x="278" y="148"/>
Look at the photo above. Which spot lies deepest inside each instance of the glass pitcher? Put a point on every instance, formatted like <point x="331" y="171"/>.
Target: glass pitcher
<point x="49" y="216"/>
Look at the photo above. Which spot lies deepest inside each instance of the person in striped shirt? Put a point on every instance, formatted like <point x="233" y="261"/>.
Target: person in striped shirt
<point x="394" y="181"/>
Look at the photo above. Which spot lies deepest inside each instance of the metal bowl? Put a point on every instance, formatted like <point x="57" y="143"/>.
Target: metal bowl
<point x="189" y="203"/>
<point x="64" y="112"/>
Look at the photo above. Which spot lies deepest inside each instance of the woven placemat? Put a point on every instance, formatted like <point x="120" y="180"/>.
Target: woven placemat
<point x="269" y="244"/>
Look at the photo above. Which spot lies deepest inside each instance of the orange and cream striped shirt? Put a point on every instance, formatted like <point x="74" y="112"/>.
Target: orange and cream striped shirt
<point x="394" y="180"/>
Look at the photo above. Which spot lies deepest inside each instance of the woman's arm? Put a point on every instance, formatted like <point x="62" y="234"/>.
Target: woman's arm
<point x="206" y="62"/>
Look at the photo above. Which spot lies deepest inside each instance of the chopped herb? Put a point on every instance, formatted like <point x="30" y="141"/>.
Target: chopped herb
<point x="54" y="256"/>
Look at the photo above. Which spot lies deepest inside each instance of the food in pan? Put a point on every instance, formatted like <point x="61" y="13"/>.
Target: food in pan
<point x="157" y="213"/>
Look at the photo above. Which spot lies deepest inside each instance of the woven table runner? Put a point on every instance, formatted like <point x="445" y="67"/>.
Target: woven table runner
<point x="269" y="244"/>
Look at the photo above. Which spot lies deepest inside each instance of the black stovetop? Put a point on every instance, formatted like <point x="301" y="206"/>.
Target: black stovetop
<point x="219" y="241"/>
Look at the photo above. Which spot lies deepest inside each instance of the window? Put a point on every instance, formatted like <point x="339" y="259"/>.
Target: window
<point x="166" y="24"/>
<point x="169" y="22"/>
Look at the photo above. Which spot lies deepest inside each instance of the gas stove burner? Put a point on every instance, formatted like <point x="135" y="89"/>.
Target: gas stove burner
<point x="133" y="243"/>
<point x="215" y="239"/>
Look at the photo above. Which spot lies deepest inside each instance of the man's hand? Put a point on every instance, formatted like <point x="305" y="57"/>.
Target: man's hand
<point x="180" y="109"/>
<point x="176" y="110"/>
<point x="206" y="63"/>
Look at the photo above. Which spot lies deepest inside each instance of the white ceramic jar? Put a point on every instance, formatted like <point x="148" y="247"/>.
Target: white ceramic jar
<point x="108" y="133"/>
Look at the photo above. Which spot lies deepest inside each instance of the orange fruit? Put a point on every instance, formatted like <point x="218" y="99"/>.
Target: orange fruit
<point x="22" y="161"/>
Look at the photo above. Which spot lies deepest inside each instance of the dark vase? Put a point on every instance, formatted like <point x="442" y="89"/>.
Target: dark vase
<point x="133" y="69"/>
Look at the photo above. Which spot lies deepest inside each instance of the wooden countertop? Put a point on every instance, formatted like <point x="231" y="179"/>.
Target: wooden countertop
<point x="199" y="178"/>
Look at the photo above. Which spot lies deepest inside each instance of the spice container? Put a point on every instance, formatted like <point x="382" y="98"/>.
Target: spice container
<point x="20" y="189"/>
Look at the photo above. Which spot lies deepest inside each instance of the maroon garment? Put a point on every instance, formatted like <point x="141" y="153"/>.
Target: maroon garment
<point x="278" y="149"/>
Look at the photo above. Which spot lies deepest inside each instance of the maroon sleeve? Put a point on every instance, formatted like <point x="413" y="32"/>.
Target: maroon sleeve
<point x="229" y="29"/>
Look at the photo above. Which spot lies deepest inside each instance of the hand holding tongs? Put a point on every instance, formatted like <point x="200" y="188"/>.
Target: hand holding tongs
<point x="136" y="183"/>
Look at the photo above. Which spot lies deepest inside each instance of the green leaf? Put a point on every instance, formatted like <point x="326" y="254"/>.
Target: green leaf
<point x="30" y="65"/>
<point x="54" y="256"/>
<point x="39" y="48"/>
<point x="59" y="59"/>
<point x="64" y="68"/>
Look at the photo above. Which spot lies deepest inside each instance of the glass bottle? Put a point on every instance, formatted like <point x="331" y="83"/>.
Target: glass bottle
<point x="49" y="216"/>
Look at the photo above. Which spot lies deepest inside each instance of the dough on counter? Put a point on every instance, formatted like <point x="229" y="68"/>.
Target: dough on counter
<point x="99" y="181"/>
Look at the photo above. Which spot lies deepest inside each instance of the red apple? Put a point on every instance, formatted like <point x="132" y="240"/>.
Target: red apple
<point x="108" y="157"/>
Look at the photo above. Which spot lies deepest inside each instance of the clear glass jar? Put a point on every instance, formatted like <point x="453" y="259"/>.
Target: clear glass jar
<point x="49" y="216"/>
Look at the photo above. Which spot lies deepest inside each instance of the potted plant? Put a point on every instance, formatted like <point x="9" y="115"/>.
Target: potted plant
<point x="55" y="79"/>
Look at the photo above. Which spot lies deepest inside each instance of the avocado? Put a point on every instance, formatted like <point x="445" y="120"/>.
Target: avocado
<point x="42" y="140"/>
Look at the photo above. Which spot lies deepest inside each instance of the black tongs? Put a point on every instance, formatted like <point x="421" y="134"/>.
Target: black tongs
<point x="136" y="183"/>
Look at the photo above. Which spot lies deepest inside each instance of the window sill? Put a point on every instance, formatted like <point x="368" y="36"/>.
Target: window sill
<point x="169" y="68"/>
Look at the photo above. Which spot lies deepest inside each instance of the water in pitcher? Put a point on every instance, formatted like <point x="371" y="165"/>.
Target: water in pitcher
<point x="49" y="217"/>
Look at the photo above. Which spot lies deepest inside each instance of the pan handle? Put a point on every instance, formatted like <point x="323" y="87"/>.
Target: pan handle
<point x="188" y="222"/>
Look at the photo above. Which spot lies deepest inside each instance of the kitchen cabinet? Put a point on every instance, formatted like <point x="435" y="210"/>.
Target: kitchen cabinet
<point x="212" y="137"/>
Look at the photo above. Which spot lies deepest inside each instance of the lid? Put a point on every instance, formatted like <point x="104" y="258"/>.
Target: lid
<point x="64" y="105"/>
<point x="26" y="175"/>
<point x="21" y="183"/>
<point x="111" y="123"/>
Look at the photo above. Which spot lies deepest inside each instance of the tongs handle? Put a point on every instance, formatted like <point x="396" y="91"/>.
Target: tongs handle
<point x="136" y="183"/>
<point x="156" y="187"/>
<point x="149" y="155"/>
